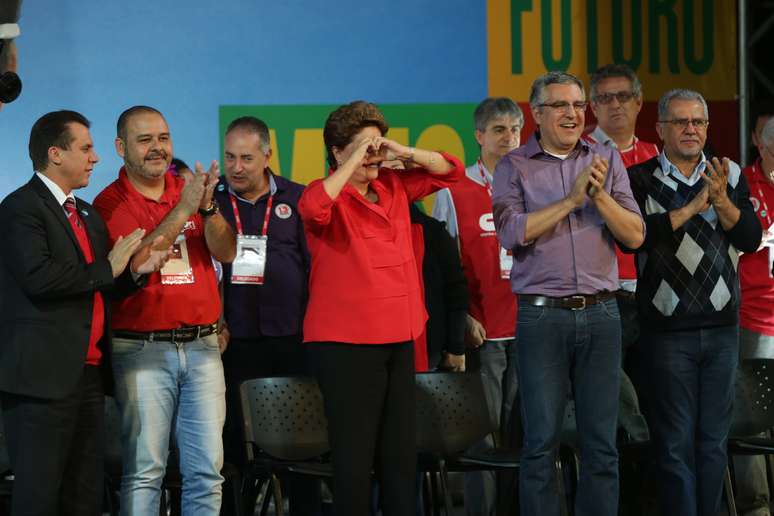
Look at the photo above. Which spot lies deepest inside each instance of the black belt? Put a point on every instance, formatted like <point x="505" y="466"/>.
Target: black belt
<point x="628" y="295"/>
<point x="578" y="302"/>
<point x="185" y="334"/>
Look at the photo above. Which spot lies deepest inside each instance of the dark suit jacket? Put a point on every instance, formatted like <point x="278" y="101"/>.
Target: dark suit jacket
<point x="47" y="293"/>
<point x="446" y="289"/>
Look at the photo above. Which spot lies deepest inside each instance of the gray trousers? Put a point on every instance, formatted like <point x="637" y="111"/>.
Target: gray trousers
<point x="495" y="360"/>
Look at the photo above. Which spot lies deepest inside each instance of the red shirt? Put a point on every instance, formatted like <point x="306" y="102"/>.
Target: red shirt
<point x="757" y="310"/>
<point x="639" y="152"/>
<point x="364" y="284"/>
<point x="157" y="306"/>
<point x="93" y="353"/>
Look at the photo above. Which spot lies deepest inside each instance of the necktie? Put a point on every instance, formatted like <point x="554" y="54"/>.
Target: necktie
<point x="69" y="206"/>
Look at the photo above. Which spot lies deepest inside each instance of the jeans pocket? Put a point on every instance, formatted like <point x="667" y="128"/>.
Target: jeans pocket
<point x="530" y="314"/>
<point x="211" y="342"/>
<point x="610" y="309"/>
<point x="127" y="347"/>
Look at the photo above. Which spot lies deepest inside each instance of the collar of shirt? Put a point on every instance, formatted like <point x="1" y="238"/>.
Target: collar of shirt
<point x="57" y="192"/>
<point x="600" y="136"/>
<point x="9" y="30"/>
<point x="533" y="148"/>
<point x="670" y="169"/>
<point x="473" y="172"/>
<point x="272" y="190"/>
<point x="758" y="174"/>
<point x="173" y="185"/>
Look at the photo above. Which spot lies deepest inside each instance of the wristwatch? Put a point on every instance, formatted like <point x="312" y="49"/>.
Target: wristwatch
<point x="212" y="209"/>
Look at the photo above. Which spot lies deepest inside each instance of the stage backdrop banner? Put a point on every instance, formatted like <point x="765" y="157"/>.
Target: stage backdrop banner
<point x="691" y="43"/>
<point x="296" y="131"/>
<point x="668" y="43"/>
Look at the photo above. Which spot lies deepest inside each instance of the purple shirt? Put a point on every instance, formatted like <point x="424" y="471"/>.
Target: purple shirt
<point x="577" y="255"/>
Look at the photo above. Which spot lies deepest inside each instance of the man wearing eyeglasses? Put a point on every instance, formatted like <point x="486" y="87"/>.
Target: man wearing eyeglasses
<point x="558" y="203"/>
<point x="616" y="100"/>
<point x="698" y="216"/>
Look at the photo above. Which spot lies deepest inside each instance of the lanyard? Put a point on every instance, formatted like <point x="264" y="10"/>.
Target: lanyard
<point x="483" y="176"/>
<point x="762" y="198"/>
<point x="238" y="220"/>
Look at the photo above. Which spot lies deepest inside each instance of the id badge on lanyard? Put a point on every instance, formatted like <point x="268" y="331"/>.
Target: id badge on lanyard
<point x="250" y="263"/>
<point x="506" y="263"/>
<point x="506" y="256"/>
<point x="177" y="270"/>
<point x="249" y="266"/>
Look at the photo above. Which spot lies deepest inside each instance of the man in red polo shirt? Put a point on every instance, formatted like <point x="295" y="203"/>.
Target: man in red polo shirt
<point x="167" y="367"/>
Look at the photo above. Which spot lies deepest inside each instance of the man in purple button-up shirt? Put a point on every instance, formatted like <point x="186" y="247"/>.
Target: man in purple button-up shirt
<point x="558" y="204"/>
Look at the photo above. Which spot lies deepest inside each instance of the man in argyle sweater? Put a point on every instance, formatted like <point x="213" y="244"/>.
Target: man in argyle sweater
<point x="698" y="218"/>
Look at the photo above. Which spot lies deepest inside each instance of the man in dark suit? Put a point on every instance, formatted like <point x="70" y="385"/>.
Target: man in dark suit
<point x="55" y="267"/>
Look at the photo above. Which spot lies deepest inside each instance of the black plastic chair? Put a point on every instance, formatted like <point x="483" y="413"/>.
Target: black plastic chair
<point x="6" y="475"/>
<point x="285" y="432"/>
<point x="753" y="414"/>
<point x="452" y="415"/>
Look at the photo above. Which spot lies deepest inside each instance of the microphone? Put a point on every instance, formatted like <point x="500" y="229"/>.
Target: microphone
<point x="10" y="87"/>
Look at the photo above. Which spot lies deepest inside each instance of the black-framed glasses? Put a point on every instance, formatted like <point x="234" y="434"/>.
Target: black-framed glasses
<point x="578" y="106"/>
<point x="606" y="98"/>
<point x="683" y="123"/>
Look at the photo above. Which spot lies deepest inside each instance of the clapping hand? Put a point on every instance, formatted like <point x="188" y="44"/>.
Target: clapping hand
<point x="716" y="178"/>
<point x="151" y="257"/>
<point x="123" y="250"/>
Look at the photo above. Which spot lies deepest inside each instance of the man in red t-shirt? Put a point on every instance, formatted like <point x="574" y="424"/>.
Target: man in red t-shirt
<point x="755" y="276"/>
<point x="756" y="314"/>
<point x="166" y="360"/>
<point x="466" y="208"/>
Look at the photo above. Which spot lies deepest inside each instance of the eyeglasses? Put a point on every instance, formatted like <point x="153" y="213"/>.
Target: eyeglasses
<point x="683" y="123"/>
<point x="579" y="106"/>
<point x="606" y="98"/>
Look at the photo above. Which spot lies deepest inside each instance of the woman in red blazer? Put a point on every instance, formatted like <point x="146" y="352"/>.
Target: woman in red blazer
<point x="365" y="306"/>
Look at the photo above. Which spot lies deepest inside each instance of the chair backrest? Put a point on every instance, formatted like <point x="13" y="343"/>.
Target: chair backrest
<point x="5" y="461"/>
<point x="284" y="417"/>
<point x="754" y="401"/>
<point x="569" y="435"/>
<point x="452" y="412"/>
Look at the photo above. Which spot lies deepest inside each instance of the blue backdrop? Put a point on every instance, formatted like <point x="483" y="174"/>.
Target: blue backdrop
<point x="187" y="57"/>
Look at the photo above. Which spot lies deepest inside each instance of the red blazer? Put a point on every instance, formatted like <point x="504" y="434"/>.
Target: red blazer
<point x="363" y="286"/>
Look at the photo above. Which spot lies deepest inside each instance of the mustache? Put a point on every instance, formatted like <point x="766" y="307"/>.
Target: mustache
<point x="154" y="155"/>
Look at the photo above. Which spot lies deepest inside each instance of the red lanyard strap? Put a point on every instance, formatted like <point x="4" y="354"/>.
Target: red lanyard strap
<point x="762" y="198"/>
<point x="483" y="176"/>
<point x="238" y="220"/>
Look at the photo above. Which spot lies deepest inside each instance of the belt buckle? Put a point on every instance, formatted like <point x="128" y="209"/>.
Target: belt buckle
<point x="198" y="332"/>
<point x="173" y="335"/>
<point x="583" y="302"/>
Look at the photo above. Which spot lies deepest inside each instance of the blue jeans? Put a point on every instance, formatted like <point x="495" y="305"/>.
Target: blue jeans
<point x="692" y="377"/>
<point x="495" y="361"/>
<point x="163" y="387"/>
<point x="561" y="349"/>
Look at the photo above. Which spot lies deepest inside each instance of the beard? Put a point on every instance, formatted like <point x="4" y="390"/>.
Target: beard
<point x="141" y="166"/>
